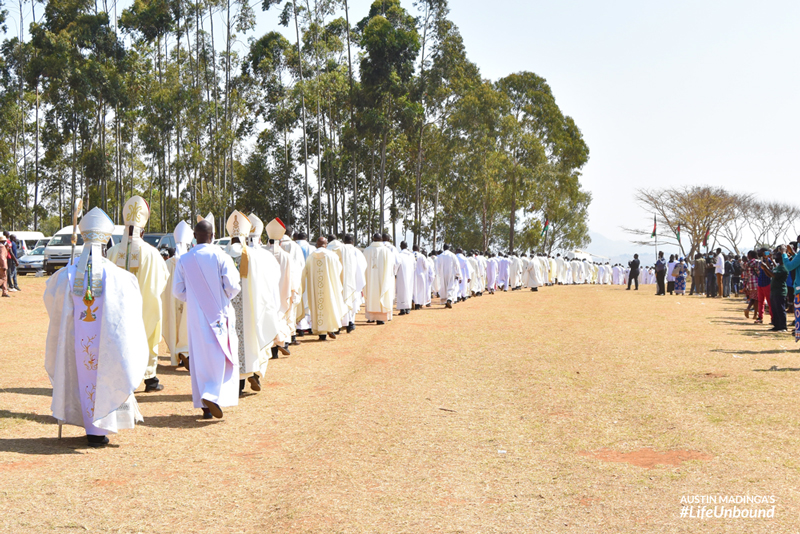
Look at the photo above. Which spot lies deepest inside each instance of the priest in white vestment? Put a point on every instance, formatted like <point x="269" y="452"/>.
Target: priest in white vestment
<point x="379" y="289"/>
<point x="561" y="270"/>
<point x="463" y="285"/>
<point x="207" y="279"/>
<point x="288" y="289"/>
<point x="503" y="267"/>
<point x="298" y="264"/>
<point x="491" y="274"/>
<point x="322" y="282"/>
<point x="534" y="274"/>
<point x="514" y="272"/>
<point x="256" y="306"/>
<point x="475" y="278"/>
<point x="143" y="260"/>
<point x="354" y="268"/>
<point x="175" y="328"/>
<point x="448" y="273"/>
<point x="421" y="285"/>
<point x="96" y="338"/>
<point x="431" y="281"/>
<point x="406" y="263"/>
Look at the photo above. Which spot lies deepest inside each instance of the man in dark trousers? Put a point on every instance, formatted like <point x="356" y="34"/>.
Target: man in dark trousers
<point x="634" y="274"/>
<point x="661" y="274"/>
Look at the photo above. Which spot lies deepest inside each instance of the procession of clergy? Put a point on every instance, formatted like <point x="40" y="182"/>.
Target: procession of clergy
<point x="225" y="312"/>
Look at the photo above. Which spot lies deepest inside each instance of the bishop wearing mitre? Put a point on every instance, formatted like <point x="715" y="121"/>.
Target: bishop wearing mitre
<point x="96" y="338"/>
<point x="289" y="289"/>
<point x="257" y="305"/>
<point x="143" y="260"/>
<point x="175" y="329"/>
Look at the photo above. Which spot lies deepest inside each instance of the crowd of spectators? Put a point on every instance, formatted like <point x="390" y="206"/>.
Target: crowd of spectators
<point x="765" y="278"/>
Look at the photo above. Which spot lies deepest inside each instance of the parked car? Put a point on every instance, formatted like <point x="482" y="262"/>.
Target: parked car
<point x="27" y="241"/>
<point x="56" y="253"/>
<point x="43" y="242"/>
<point x="31" y="262"/>
<point x="160" y="241"/>
<point x="222" y="242"/>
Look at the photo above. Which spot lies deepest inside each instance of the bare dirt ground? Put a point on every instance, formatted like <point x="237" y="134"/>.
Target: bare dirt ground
<point x="574" y="409"/>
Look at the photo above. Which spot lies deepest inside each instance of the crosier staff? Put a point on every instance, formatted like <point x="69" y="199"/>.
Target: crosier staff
<point x="76" y="212"/>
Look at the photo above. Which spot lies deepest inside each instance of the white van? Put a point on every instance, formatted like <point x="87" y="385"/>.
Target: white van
<point x="27" y="240"/>
<point x="56" y="253"/>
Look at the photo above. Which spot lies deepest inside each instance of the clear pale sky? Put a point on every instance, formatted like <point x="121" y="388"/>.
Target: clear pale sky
<point x="665" y="93"/>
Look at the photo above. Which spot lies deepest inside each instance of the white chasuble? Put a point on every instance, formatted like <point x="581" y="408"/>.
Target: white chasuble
<point x="174" y="329"/>
<point x="322" y="282"/>
<point x="93" y="350"/>
<point x="379" y="288"/>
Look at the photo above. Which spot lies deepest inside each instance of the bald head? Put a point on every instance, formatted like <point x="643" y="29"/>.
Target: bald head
<point x="203" y="232"/>
<point x="322" y="242"/>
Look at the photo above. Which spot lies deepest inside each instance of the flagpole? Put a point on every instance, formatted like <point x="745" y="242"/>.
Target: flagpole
<point x="655" y="234"/>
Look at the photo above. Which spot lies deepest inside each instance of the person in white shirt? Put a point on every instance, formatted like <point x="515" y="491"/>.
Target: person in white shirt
<point x="207" y="279"/>
<point x="719" y="270"/>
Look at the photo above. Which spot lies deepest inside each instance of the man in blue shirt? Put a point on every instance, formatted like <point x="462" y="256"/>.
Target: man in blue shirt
<point x="12" y="264"/>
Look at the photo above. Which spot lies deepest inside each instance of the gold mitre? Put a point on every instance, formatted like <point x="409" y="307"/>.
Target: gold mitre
<point x="136" y="212"/>
<point x="276" y="229"/>
<point x="238" y="225"/>
<point x="96" y="227"/>
<point x="257" y="225"/>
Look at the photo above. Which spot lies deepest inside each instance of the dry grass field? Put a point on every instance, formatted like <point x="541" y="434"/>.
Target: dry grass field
<point x="574" y="409"/>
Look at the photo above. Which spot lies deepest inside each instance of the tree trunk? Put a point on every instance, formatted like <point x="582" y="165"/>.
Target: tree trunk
<point x="383" y="181"/>
<point x="303" y="108"/>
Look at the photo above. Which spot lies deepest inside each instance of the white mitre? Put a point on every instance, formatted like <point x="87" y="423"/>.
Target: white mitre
<point x="135" y="213"/>
<point x="96" y="228"/>
<point x="276" y="229"/>
<point x="183" y="234"/>
<point x="209" y="218"/>
<point x="256" y="229"/>
<point x="238" y="225"/>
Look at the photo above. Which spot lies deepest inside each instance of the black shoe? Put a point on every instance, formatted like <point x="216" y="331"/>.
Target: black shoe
<point x="300" y="333"/>
<point x="332" y="335"/>
<point x="283" y="349"/>
<point x="428" y="305"/>
<point x="379" y="323"/>
<point x="402" y="312"/>
<point x="214" y="408"/>
<point x="184" y="361"/>
<point x="350" y="328"/>
<point x="241" y="387"/>
<point x="448" y="304"/>
<point x="255" y="383"/>
<point x="207" y="414"/>
<point x="370" y="321"/>
<point x="323" y="337"/>
<point x="274" y="351"/>
<point x="151" y="384"/>
<point x="294" y="341"/>
<point x="96" y="441"/>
